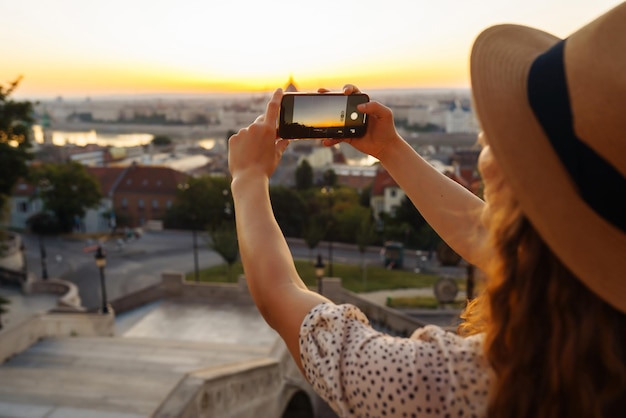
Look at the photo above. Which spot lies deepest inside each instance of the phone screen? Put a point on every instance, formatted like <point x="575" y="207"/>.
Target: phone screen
<point x="326" y="115"/>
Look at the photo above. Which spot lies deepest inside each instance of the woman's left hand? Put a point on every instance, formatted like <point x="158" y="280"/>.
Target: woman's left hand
<point x="255" y="151"/>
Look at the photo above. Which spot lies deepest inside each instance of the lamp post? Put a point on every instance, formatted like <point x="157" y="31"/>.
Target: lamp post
<point x="101" y="262"/>
<point x="194" y="236"/>
<point x="44" y="263"/>
<point x="319" y="272"/>
<point x="328" y="190"/>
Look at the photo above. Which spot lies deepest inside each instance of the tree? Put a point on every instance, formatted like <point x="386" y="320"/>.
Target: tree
<point x="161" y="140"/>
<point x="67" y="190"/>
<point x="15" y="140"/>
<point x="203" y="203"/>
<point x="313" y="232"/>
<point x="365" y="235"/>
<point x="304" y="175"/>
<point x="44" y="223"/>
<point x="290" y="210"/>
<point x="330" y="178"/>
<point x="407" y="213"/>
<point x="224" y="242"/>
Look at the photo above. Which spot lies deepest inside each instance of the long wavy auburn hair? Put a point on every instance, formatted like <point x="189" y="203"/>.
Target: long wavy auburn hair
<point x="556" y="349"/>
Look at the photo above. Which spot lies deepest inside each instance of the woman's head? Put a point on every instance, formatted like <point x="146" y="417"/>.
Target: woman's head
<point x="552" y="112"/>
<point x="554" y="167"/>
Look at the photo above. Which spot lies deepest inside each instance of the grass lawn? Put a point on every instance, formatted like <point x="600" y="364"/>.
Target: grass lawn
<point x="352" y="276"/>
<point x="422" y="302"/>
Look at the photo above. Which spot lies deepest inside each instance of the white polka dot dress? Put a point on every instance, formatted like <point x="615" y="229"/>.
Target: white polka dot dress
<point x="361" y="372"/>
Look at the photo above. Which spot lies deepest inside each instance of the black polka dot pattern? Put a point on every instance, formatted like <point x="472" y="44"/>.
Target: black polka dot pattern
<point x="361" y="372"/>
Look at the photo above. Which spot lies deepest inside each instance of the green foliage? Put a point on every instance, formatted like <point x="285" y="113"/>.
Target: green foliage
<point x="313" y="233"/>
<point x="161" y="140"/>
<point x="422" y="302"/>
<point x="409" y="227"/>
<point x="304" y="176"/>
<point x="408" y="214"/>
<point x="224" y="242"/>
<point x="378" y="277"/>
<point x="330" y="178"/>
<point x="365" y="234"/>
<point x="15" y="140"/>
<point x="289" y="209"/>
<point x="203" y="203"/>
<point x="67" y="190"/>
<point x="44" y="223"/>
<point x="365" y="197"/>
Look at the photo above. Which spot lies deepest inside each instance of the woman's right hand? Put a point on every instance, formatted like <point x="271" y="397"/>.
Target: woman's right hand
<point x="381" y="131"/>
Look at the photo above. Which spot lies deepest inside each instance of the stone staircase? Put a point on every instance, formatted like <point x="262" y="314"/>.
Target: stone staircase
<point x="103" y="377"/>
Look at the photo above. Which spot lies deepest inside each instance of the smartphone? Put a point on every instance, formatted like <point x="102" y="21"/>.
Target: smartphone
<point x="321" y="115"/>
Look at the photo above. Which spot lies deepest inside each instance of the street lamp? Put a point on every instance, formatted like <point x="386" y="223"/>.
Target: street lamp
<point x="327" y="190"/>
<point x="101" y="262"/>
<point x="319" y="272"/>
<point x="195" y="248"/>
<point x="44" y="264"/>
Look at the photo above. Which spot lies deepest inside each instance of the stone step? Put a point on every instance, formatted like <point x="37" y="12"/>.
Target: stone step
<point x="111" y="374"/>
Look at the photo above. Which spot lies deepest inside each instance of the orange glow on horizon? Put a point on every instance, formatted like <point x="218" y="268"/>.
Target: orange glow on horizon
<point x="98" y="79"/>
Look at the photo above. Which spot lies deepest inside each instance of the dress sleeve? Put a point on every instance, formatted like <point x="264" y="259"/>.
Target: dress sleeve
<point x="362" y="372"/>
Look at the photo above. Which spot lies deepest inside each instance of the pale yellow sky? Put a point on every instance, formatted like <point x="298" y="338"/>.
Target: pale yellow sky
<point x="92" y="48"/>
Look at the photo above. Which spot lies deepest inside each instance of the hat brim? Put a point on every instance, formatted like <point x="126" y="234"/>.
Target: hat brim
<point x="593" y="249"/>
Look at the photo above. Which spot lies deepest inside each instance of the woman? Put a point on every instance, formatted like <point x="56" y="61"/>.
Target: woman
<point x="547" y="338"/>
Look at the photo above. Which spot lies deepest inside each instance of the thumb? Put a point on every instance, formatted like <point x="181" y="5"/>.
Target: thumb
<point x="375" y="109"/>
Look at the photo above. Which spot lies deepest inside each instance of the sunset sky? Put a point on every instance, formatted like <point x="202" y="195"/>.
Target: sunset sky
<point x="77" y="48"/>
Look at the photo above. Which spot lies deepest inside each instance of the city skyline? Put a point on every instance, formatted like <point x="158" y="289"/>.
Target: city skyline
<point x="71" y="48"/>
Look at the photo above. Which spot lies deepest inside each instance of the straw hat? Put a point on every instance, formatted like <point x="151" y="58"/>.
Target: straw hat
<point x="554" y="113"/>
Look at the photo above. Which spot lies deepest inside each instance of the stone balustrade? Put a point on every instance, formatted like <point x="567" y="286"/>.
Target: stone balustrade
<point x="69" y="299"/>
<point x="14" y="340"/>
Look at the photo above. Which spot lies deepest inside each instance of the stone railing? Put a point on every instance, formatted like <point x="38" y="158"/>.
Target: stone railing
<point x="14" y="340"/>
<point x="248" y="389"/>
<point x="175" y="286"/>
<point x="138" y="298"/>
<point x="381" y="317"/>
<point x="69" y="299"/>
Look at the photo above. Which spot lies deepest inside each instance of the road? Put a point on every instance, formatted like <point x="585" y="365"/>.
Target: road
<point x="139" y="263"/>
<point x="129" y="267"/>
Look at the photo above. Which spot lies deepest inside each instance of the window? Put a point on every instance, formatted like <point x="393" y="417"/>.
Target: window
<point x="22" y="207"/>
<point x="155" y="204"/>
<point x="124" y="202"/>
<point x="140" y="204"/>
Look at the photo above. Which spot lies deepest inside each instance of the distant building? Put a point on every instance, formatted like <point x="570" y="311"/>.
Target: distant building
<point x="102" y="218"/>
<point x="23" y="204"/>
<point x="386" y="195"/>
<point x="144" y="193"/>
<point x="291" y="86"/>
<point x="355" y="176"/>
<point x="131" y="195"/>
<point x="460" y="118"/>
<point x="418" y="115"/>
